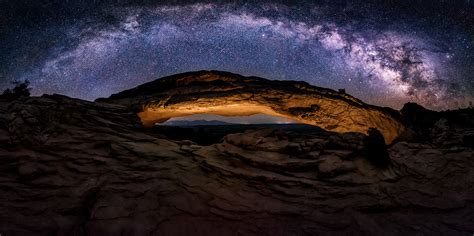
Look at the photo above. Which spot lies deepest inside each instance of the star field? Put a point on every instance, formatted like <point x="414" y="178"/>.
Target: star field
<point x="381" y="55"/>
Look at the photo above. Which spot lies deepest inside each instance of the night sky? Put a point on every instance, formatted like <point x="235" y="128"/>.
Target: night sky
<point x="383" y="52"/>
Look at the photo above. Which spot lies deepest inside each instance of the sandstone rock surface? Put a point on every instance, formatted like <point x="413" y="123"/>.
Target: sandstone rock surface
<point x="71" y="167"/>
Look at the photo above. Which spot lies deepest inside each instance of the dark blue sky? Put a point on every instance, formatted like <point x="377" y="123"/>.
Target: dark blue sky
<point x="383" y="52"/>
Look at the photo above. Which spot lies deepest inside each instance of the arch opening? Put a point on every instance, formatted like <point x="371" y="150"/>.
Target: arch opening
<point x="207" y="129"/>
<point x="209" y="119"/>
<point x="160" y="114"/>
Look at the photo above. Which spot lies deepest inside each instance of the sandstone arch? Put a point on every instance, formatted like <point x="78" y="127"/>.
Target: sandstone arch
<point x="227" y="94"/>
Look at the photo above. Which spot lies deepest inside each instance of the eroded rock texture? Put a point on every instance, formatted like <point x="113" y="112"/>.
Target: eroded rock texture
<point x="223" y="93"/>
<point x="70" y="167"/>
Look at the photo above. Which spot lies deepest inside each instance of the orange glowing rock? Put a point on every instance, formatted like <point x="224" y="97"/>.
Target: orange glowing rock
<point x="227" y="94"/>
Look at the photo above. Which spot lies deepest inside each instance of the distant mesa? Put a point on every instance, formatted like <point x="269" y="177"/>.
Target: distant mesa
<point x="195" y="122"/>
<point x="228" y="94"/>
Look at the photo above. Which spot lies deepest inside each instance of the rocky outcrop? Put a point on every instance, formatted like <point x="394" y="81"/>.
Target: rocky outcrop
<point x="443" y="127"/>
<point x="71" y="167"/>
<point x="223" y="93"/>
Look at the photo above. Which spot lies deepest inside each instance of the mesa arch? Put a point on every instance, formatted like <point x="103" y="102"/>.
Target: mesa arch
<point x="228" y="94"/>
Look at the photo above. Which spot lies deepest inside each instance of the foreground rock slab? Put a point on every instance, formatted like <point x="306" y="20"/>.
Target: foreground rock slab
<point x="70" y="167"/>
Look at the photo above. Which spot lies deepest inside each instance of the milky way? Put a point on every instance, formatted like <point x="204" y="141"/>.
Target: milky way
<point x="382" y="58"/>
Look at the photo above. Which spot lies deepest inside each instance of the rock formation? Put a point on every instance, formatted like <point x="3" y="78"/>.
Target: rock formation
<point x="72" y="167"/>
<point x="223" y="93"/>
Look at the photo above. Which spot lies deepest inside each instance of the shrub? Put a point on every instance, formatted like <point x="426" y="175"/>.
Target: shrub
<point x="20" y="90"/>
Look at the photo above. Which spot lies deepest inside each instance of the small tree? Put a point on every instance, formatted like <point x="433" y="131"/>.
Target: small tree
<point x="376" y="150"/>
<point x="21" y="89"/>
